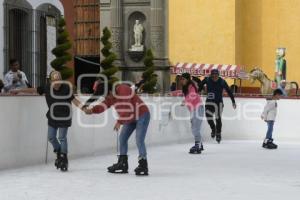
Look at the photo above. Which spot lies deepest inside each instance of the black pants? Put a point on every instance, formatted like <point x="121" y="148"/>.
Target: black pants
<point x="214" y="111"/>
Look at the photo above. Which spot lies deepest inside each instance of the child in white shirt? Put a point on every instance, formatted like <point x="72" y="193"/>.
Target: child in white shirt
<point x="269" y="116"/>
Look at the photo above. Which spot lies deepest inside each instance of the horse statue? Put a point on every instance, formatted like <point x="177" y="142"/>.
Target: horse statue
<point x="267" y="85"/>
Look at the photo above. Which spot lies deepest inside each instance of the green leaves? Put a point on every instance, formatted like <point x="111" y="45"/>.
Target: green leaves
<point x="107" y="64"/>
<point x="148" y="61"/>
<point x="66" y="72"/>
<point x="61" y="51"/>
<point x="108" y="61"/>
<point x="149" y="76"/>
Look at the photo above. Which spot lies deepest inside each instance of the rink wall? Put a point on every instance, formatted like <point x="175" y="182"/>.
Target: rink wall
<point x="24" y="140"/>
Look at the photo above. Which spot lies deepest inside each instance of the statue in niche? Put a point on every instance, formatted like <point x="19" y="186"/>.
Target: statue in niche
<point x="138" y="31"/>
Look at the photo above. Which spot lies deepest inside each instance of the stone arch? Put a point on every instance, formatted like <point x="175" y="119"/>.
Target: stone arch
<point x="18" y="4"/>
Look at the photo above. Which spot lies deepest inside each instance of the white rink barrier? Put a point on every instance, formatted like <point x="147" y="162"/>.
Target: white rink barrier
<point x="24" y="127"/>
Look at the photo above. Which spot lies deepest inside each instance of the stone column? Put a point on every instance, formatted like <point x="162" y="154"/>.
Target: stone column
<point x="157" y="28"/>
<point x="158" y="41"/>
<point x="117" y="28"/>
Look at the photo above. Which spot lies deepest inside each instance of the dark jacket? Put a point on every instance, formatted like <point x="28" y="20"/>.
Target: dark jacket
<point x="59" y="114"/>
<point x="215" y="90"/>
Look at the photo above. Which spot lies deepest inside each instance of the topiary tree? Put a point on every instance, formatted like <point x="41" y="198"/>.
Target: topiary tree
<point x="148" y="75"/>
<point x="109" y="69"/>
<point x="61" y="51"/>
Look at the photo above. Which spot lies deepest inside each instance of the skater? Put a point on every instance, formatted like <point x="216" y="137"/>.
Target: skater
<point x="194" y="103"/>
<point x="214" y="102"/>
<point x="59" y="97"/>
<point x="133" y="115"/>
<point x="269" y="116"/>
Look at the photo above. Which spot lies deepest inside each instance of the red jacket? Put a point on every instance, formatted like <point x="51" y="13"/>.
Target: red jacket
<point x="128" y="105"/>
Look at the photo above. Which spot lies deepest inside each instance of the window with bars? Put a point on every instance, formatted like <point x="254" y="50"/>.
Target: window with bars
<point x="46" y="18"/>
<point x="28" y="36"/>
<point x="18" y="35"/>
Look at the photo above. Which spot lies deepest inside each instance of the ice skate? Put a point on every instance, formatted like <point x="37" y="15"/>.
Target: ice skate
<point x="57" y="160"/>
<point x="213" y="134"/>
<point x="218" y="137"/>
<point x="142" y="169"/>
<point x="63" y="163"/>
<point x="197" y="149"/>
<point x="121" y="167"/>
<point x="268" y="144"/>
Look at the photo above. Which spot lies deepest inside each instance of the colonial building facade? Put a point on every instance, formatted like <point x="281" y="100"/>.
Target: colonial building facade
<point x="121" y="16"/>
<point x="28" y="33"/>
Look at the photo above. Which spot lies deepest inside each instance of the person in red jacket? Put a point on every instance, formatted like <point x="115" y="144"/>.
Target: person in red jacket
<point x="133" y="115"/>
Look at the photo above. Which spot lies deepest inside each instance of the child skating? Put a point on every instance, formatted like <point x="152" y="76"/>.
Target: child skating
<point x="269" y="116"/>
<point x="194" y="103"/>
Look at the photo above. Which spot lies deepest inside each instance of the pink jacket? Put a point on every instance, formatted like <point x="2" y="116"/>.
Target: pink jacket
<point x="193" y="100"/>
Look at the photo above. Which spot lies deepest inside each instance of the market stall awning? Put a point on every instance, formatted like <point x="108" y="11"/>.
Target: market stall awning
<point x="195" y="69"/>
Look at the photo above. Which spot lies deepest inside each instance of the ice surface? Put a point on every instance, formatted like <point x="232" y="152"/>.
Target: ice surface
<point x="235" y="170"/>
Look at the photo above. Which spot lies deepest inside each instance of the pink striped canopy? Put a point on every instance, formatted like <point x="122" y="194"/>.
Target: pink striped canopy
<point x="227" y="71"/>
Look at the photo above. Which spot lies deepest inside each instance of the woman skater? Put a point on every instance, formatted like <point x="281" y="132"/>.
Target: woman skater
<point x="194" y="103"/>
<point x="133" y="115"/>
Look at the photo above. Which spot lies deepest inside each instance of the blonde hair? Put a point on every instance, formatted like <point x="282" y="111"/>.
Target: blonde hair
<point x="54" y="74"/>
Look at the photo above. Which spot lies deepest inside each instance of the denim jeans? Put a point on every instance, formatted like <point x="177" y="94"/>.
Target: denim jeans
<point x="60" y="144"/>
<point x="270" y="129"/>
<point x="196" y="120"/>
<point x="141" y="126"/>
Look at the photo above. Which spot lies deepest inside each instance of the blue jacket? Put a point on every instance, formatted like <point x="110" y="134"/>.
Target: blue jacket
<point x="215" y="90"/>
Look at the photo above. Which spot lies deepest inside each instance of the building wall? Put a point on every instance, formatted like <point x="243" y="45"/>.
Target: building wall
<point x="245" y="32"/>
<point x="69" y="17"/>
<point x="264" y="26"/>
<point x="281" y="28"/>
<point x="202" y="31"/>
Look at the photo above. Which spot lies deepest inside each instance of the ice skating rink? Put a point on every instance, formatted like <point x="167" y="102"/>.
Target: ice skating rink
<point x="235" y="170"/>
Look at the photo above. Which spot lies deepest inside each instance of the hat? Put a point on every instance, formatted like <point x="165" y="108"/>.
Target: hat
<point x="214" y="72"/>
<point x="187" y="76"/>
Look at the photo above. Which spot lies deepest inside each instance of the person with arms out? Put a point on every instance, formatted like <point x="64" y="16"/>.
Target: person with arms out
<point x="133" y="115"/>
<point x="269" y="116"/>
<point x="214" y="102"/>
<point x="59" y="97"/>
<point x="194" y="103"/>
<point x="15" y="78"/>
